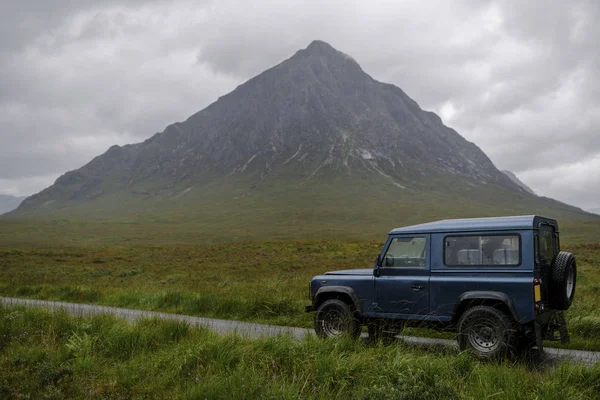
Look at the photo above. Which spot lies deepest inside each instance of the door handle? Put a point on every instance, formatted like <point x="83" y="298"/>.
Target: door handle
<point x="418" y="287"/>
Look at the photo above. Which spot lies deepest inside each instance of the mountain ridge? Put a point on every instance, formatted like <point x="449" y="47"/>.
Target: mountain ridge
<point x="520" y="183"/>
<point x="313" y="130"/>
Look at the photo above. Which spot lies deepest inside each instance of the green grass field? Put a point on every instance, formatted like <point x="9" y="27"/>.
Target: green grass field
<point x="251" y="281"/>
<point x="51" y="355"/>
<point x="361" y="206"/>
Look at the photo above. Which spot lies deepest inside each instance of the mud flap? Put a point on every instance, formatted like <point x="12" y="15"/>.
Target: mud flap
<point x="556" y="324"/>
<point x="539" y="337"/>
<point x="562" y="328"/>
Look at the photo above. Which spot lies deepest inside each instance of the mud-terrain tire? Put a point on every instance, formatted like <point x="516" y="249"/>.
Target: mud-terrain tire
<point x="336" y="319"/>
<point x="563" y="280"/>
<point x="485" y="331"/>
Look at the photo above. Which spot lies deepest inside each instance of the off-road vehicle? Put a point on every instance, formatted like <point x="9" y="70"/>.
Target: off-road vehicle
<point x="500" y="283"/>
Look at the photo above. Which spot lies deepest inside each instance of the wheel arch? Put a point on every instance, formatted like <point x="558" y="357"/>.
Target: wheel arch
<point x="343" y="293"/>
<point x="497" y="300"/>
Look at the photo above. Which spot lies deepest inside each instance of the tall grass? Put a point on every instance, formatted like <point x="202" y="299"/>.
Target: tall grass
<point x="53" y="355"/>
<point x="259" y="282"/>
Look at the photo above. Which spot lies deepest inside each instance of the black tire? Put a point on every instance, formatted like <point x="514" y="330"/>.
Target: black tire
<point x="485" y="331"/>
<point x="563" y="280"/>
<point x="336" y="319"/>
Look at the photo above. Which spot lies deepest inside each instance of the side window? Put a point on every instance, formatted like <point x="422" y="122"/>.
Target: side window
<point x="406" y="252"/>
<point x="546" y="245"/>
<point x="482" y="250"/>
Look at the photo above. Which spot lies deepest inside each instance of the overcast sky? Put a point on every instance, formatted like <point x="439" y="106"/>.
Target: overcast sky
<point x="520" y="79"/>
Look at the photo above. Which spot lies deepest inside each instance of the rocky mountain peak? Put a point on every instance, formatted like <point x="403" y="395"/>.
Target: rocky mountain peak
<point x="320" y="46"/>
<point x="324" y="49"/>
<point x="322" y="53"/>
<point x="315" y="116"/>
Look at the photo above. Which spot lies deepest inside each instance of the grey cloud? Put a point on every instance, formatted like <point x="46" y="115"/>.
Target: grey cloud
<point x="575" y="184"/>
<point x="507" y="83"/>
<point x="22" y="21"/>
<point x="64" y="101"/>
<point x="16" y="187"/>
<point x="523" y="78"/>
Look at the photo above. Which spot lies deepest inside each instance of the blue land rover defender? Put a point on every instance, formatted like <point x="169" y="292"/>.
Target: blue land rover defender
<point x="501" y="283"/>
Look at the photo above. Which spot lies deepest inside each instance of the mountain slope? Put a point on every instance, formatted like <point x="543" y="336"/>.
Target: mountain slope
<point x="311" y="140"/>
<point x="516" y="180"/>
<point x="9" y="203"/>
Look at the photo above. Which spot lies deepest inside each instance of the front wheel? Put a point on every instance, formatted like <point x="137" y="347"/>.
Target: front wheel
<point x="485" y="331"/>
<point x="336" y="319"/>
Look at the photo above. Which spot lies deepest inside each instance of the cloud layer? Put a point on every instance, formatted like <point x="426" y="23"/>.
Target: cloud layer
<point x="521" y="80"/>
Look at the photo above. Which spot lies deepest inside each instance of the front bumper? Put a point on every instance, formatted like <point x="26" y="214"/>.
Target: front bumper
<point x="309" y="308"/>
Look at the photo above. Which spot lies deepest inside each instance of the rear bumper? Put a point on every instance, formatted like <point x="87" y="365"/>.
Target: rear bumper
<point x="309" y="308"/>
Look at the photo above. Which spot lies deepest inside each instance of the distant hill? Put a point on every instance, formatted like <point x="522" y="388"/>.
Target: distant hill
<point x="516" y="180"/>
<point x="9" y="203"/>
<point x="595" y="210"/>
<point x="313" y="144"/>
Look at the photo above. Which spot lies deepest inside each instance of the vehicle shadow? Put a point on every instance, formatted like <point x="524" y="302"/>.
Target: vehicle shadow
<point x="532" y="359"/>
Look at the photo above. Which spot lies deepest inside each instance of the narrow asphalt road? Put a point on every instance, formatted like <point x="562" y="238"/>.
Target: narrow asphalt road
<point x="254" y="330"/>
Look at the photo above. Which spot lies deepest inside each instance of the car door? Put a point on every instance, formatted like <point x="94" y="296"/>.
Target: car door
<point x="402" y="278"/>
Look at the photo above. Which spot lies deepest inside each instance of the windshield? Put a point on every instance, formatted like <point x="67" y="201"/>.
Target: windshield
<point x="406" y="252"/>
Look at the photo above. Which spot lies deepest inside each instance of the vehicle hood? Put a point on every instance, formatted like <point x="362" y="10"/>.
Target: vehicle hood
<point x="365" y="271"/>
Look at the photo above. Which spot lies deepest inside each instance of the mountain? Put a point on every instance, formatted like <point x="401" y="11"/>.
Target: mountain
<point x="9" y="203"/>
<point x="313" y="144"/>
<point x="516" y="180"/>
<point x="595" y="210"/>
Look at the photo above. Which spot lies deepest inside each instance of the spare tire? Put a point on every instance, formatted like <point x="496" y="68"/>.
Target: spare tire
<point x="563" y="278"/>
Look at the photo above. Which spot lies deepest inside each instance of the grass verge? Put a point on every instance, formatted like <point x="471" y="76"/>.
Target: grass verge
<point x="54" y="355"/>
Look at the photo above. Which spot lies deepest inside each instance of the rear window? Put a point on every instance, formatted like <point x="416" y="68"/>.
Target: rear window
<point x="546" y="245"/>
<point x="482" y="250"/>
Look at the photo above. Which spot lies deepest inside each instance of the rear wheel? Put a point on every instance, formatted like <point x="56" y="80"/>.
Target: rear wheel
<point x="485" y="331"/>
<point x="336" y="319"/>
